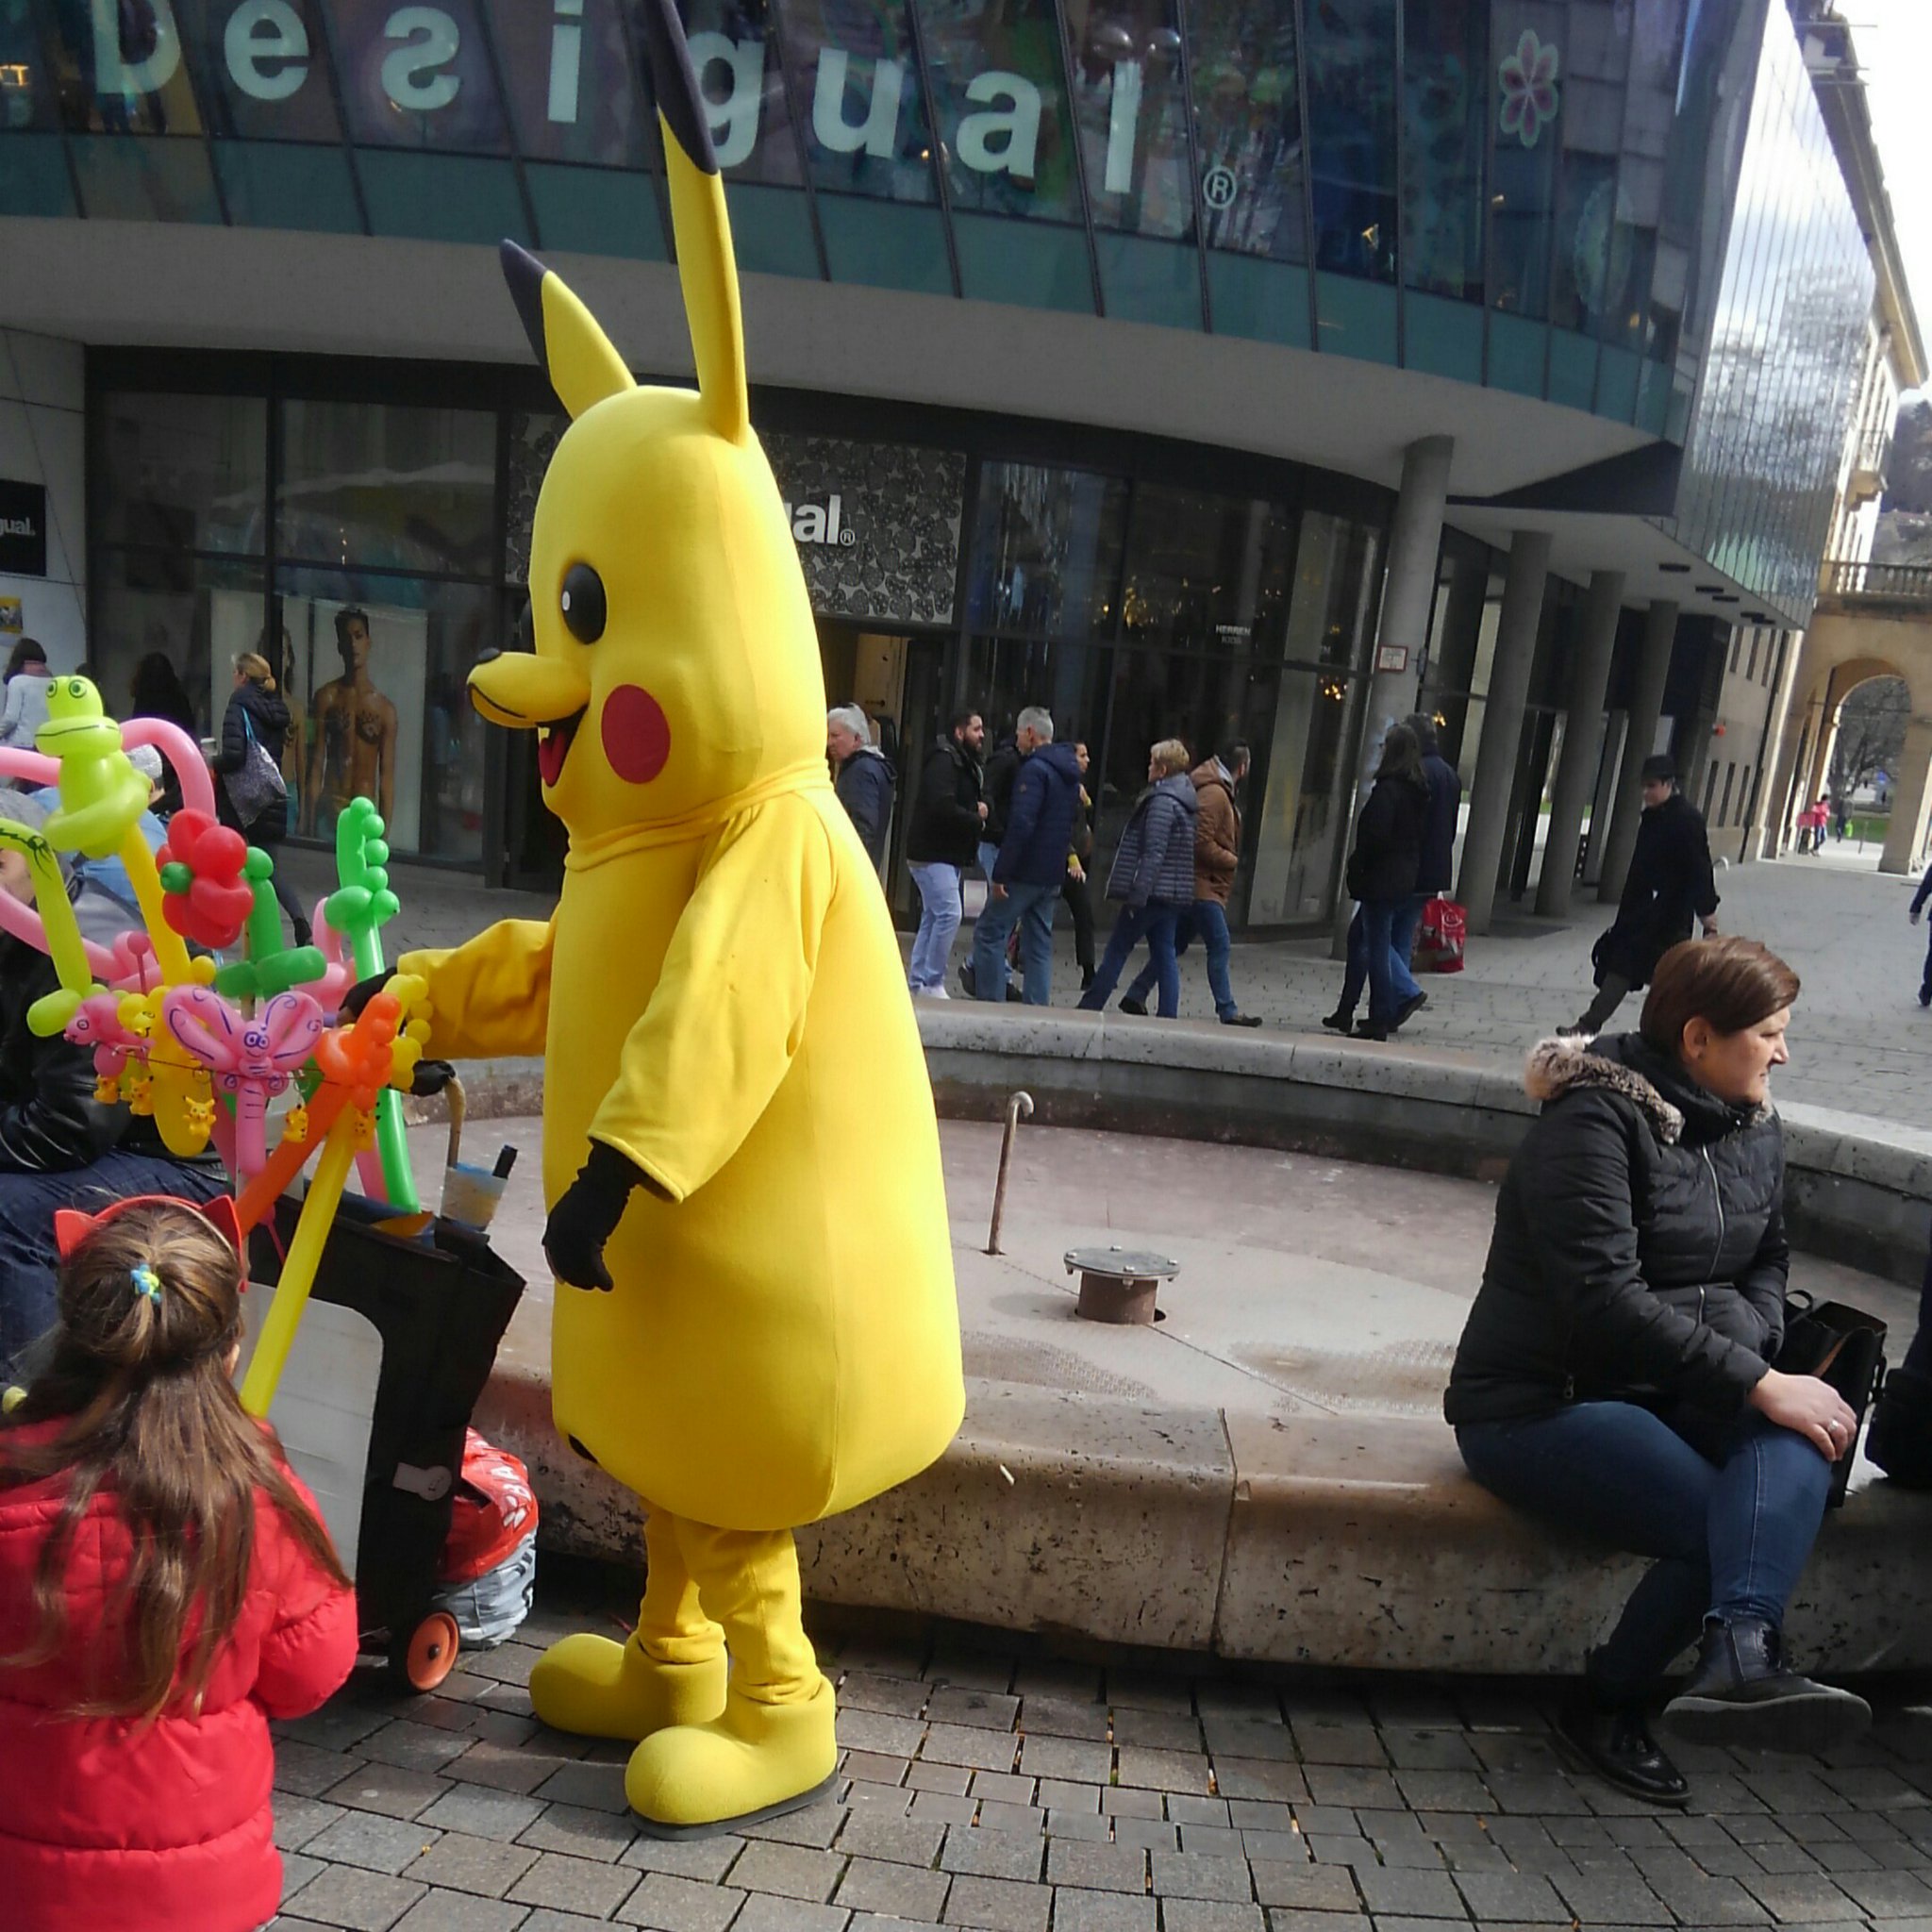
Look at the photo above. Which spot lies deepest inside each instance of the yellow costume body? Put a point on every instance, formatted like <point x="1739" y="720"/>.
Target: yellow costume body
<point x="719" y="998"/>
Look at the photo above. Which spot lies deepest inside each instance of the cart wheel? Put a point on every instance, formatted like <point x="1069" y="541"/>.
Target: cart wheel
<point x="429" y="1655"/>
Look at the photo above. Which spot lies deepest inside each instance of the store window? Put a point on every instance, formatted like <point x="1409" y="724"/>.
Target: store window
<point x="1351" y="73"/>
<point x="1526" y="95"/>
<point x="570" y="77"/>
<point x="1445" y="92"/>
<point x="418" y="77"/>
<point x="184" y="472"/>
<point x="1207" y="573"/>
<point x="196" y="612"/>
<point x="1247" y="104"/>
<point x="1131" y="108"/>
<point x="1046" y="551"/>
<point x="261" y="68"/>
<point x="118" y="69"/>
<point x="864" y="112"/>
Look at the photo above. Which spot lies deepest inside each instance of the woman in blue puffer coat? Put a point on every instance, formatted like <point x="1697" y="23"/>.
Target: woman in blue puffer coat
<point x="1153" y="873"/>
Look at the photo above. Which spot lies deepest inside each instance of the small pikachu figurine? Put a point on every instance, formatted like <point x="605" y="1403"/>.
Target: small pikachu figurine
<point x="756" y="1323"/>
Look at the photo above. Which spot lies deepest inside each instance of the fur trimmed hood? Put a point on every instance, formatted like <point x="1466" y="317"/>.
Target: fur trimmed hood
<point x="1569" y="1060"/>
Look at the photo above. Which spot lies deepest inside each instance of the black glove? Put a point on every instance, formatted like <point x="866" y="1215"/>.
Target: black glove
<point x="431" y="1078"/>
<point x="363" y="991"/>
<point x="586" y="1216"/>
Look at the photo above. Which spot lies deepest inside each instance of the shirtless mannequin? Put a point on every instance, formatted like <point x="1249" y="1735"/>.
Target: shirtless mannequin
<point x="352" y="733"/>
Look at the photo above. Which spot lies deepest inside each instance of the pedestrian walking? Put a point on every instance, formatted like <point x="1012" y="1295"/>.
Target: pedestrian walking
<point x="1217" y="858"/>
<point x="1152" y="876"/>
<point x="1918" y="911"/>
<point x="865" y="779"/>
<point x="1382" y="873"/>
<point x="1435" y="869"/>
<point x="1615" y="1372"/>
<point x="996" y="787"/>
<point x="1074" y="887"/>
<point x="253" y="796"/>
<point x="1031" y="864"/>
<point x="1670" y="887"/>
<point x="24" y="710"/>
<point x="941" y="843"/>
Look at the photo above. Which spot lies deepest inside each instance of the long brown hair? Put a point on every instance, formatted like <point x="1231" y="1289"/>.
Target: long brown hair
<point x="150" y="1307"/>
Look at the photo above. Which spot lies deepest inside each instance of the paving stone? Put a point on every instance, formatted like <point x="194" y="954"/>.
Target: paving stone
<point x="298" y="1819"/>
<point x="873" y="1730"/>
<point x="815" y="1827"/>
<point x="458" y="1911"/>
<point x="1002" y="1787"/>
<point x="1158" y="1730"/>
<point x="1814" y="1899"/>
<point x="383" y="1788"/>
<point x="998" y="1905"/>
<point x="458" y="1862"/>
<point x="1337" y="1850"/>
<point x="372" y="1842"/>
<point x="591" y="1787"/>
<point x="925" y="1775"/>
<point x="580" y="1833"/>
<point x="1058" y="1677"/>
<point x="978" y="1748"/>
<point x="1613" y="1901"/>
<point x="1193" y="1874"/>
<point x="1784" y="1858"/>
<point x="1322" y="1741"/>
<point x="1148" y="1690"/>
<point x="1065" y="1757"/>
<point x="1280" y="1847"/>
<point x="992" y="1853"/>
<point x="1088" y="1827"/>
<point x="890" y="1696"/>
<point x="1067" y="1794"/>
<point x="1251" y="1777"/>
<point x="297" y="1870"/>
<point x="1163" y="1771"/>
<point x="1186" y="1809"/>
<point x="706" y="1859"/>
<point x="1706" y="1900"/>
<point x="339" y="1725"/>
<point x="943" y="1807"/>
<point x="904" y="1890"/>
<point x="1010" y="1818"/>
<point x="509" y="1663"/>
<point x="792" y="1871"/>
<point x="1444" y="1791"/>
<point x="898" y="1841"/>
<point x="669" y="1903"/>
<point x="878" y="1921"/>
<point x="346" y="1895"/>
<point x="1290" y="1919"/>
<point x="1409" y="1895"/>
<point x="483" y="1812"/>
<point x="415" y="1747"/>
<point x="306" y="1769"/>
<point x="544" y="1920"/>
<point x="1259" y="1814"/>
<point x="877" y="1767"/>
<point x="1517" y="1897"/>
<point x="1535" y="1794"/>
<point x="957" y="1704"/>
<point x="1155" y="1834"/>
<point x="1210" y="1915"/>
<point x="1429" y="1750"/>
<point x="1097" y="1868"/>
<point x="1122" y="1801"/>
<point x="1222" y="1840"/>
<point x="1358" y="1787"/>
<point x="1102" y="1911"/>
<point x="763" y="1913"/>
<point x="883" y="1800"/>
<point x="1322" y="1889"/>
<point x="575" y="1885"/>
<point x="1056" y="1717"/>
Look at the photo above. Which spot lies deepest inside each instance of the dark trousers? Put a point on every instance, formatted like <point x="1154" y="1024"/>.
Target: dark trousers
<point x="1074" y="893"/>
<point x="1731" y="1536"/>
<point x="1926" y="978"/>
<point x="1611" y="995"/>
<point x="27" y="1258"/>
<point x="1919" y="1353"/>
<point x="1154" y="922"/>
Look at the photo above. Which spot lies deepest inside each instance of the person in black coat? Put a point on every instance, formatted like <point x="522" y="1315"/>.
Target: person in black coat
<point x="1669" y="886"/>
<point x="865" y="781"/>
<point x="941" y="842"/>
<point x="256" y="716"/>
<point x="59" y="1147"/>
<point x="1023" y="886"/>
<point x="158" y="692"/>
<point x="1382" y="873"/>
<point x="1615" y="1375"/>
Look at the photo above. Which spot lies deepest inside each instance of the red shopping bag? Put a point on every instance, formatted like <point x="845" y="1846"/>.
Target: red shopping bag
<point x="496" y="1510"/>
<point x="1439" y="934"/>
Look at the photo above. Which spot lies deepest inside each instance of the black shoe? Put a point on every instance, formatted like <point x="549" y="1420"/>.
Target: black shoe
<point x="1742" y="1695"/>
<point x="1240" y="1019"/>
<point x="1085" y="979"/>
<point x="1016" y="994"/>
<point x="1409" y="1008"/>
<point x="1926" y="995"/>
<point x="304" y="934"/>
<point x="1618" y="1748"/>
<point x="1899" y="1439"/>
<point x="1130" y="1005"/>
<point x="968" y="985"/>
<point x="1341" y="1021"/>
<point x="1369" y="1030"/>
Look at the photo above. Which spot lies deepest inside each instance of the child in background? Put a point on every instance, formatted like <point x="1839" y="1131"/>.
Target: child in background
<point x="165" y="1589"/>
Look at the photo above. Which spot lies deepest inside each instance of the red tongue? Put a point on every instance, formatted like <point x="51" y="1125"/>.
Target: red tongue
<point x="550" y="750"/>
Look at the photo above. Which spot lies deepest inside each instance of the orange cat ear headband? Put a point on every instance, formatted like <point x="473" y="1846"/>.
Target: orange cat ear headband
<point x="72" y="1227"/>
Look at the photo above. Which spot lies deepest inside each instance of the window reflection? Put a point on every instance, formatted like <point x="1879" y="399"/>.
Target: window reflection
<point x="1248" y="118"/>
<point x="1046" y="551"/>
<point x="183" y="472"/>
<point x="864" y="111"/>
<point x="418" y="77"/>
<point x="1207" y="573"/>
<point x="132" y="80"/>
<point x="1528" y="81"/>
<point x="1131" y="105"/>
<point x="262" y="71"/>
<point x="1351" y="62"/>
<point x="1446" y="46"/>
<point x="734" y="46"/>
<point x="569" y="77"/>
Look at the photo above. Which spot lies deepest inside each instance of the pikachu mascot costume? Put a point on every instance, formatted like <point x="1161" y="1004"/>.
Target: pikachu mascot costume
<point x="755" y="1323"/>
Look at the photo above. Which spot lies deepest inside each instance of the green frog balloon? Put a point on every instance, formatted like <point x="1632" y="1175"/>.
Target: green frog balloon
<point x="101" y="795"/>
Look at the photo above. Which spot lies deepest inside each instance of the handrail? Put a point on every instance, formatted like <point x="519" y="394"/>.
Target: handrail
<point x="1891" y="583"/>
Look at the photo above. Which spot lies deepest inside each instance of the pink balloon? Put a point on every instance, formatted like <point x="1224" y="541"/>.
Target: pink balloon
<point x="21" y="919"/>
<point x="190" y="768"/>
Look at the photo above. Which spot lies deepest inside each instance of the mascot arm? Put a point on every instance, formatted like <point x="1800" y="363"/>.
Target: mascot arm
<point x="704" y="1059"/>
<point x="490" y="996"/>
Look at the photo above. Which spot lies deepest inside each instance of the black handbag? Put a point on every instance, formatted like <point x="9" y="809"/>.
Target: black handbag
<point x="1843" y="1346"/>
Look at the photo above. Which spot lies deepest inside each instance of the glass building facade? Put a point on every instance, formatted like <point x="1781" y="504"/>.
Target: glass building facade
<point x="1510" y="193"/>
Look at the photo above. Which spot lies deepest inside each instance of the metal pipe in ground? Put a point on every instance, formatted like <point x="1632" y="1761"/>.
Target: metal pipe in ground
<point x="1018" y="1107"/>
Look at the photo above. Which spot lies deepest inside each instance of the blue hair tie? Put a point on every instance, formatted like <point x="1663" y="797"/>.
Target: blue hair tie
<point x="146" y="1282"/>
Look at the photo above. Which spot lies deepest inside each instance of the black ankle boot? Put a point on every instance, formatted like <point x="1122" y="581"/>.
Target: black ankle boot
<point x="1742" y="1693"/>
<point x="1618" y="1748"/>
<point x="1341" y="1021"/>
<point x="1900" y="1438"/>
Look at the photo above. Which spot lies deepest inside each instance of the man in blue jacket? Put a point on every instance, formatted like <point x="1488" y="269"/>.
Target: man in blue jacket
<point x="1032" y="867"/>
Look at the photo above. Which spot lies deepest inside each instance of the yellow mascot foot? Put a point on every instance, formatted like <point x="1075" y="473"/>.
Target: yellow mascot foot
<point x="594" y="1688"/>
<point x="754" y="1762"/>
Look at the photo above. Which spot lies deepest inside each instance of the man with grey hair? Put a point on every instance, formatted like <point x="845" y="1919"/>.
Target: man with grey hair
<point x="863" y="777"/>
<point x="1023" y="884"/>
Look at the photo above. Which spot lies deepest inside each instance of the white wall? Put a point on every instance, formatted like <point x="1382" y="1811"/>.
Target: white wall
<point x="42" y="410"/>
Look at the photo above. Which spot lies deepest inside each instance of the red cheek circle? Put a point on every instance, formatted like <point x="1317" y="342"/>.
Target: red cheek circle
<point x="636" y="734"/>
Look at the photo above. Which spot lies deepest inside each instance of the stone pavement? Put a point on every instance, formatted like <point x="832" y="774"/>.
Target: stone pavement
<point x="984" y="1785"/>
<point x="1859" y="1042"/>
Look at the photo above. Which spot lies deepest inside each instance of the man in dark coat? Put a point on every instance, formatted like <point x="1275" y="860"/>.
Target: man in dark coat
<point x="59" y="1147"/>
<point x="1024" y="888"/>
<point x="865" y="781"/>
<point x="1670" y="887"/>
<point x="941" y="843"/>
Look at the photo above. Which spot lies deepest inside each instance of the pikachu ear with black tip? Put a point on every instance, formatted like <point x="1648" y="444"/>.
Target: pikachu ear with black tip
<point x="707" y="269"/>
<point x="575" y="353"/>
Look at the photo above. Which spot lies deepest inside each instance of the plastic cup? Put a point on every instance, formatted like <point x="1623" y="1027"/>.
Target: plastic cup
<point x="471" y="1194"/>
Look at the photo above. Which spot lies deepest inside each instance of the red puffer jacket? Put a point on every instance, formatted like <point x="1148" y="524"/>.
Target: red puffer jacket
<point x="166" y="1828"/>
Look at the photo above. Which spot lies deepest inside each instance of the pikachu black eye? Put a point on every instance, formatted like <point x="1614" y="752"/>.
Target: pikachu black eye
<point x="526" y="628"/>
<point x="582" y="603"/>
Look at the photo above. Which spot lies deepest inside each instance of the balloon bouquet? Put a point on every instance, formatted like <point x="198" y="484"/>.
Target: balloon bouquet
<point x="205" y="1044"/>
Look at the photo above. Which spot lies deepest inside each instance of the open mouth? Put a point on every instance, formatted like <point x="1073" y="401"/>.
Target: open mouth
<point x="554" y="741"/>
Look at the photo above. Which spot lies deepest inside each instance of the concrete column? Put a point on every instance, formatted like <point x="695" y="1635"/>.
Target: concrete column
<point x="1583" y="738"/>
<point x="1496" y="761"/>
<point x="1912" y="797"/>
<point x="1415" y="542"/>
<point x="1603" y="807"/>
<point x="1646" y="708"/>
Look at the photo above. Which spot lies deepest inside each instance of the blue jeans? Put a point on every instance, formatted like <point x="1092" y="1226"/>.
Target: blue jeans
<point x="1031" y="908"/>
<point x="27" y="1258"/>
<point x="939" y="920"/>
<point x="1401" y="925"/>
<point x="1208" y="920"/>
<point x="1731" y="1536"/>
<point x="1154" y="922"/>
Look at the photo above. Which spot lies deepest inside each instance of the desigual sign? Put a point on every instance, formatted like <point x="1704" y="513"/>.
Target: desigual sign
<point x="427" y="61"/>
<point x="22" y="530"/>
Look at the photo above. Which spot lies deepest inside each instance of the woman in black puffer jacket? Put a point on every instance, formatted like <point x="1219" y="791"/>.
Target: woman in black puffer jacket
<point x="256" y="715"/>
<point x="1615" y="1372"/>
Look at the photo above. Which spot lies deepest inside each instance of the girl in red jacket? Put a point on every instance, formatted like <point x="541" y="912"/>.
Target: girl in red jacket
<point x="165" y="1589"/>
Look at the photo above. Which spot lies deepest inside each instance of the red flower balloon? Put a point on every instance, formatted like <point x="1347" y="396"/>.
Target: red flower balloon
<point x="204" y="895"/>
